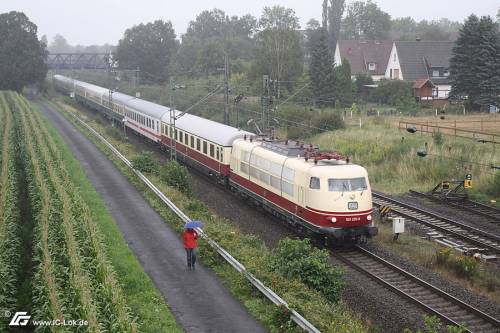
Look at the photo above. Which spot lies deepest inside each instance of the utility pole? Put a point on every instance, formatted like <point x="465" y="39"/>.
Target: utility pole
<point x="226" y="90"/>
<point x="265" y="103"/>
<point x="136" y="83"/>
<point x="173" y="151"/>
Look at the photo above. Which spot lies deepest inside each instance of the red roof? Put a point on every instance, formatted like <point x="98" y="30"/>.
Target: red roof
<point x="421" y="83"/>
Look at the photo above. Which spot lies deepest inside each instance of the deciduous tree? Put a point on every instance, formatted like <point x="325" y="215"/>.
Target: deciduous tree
<point x="150" y="47"/>
<point x="279" y="49"/>
<point x="365" y="20"/>
<point x="22" y="55"/>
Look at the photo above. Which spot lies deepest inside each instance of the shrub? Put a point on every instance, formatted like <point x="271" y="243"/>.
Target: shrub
<point x="177" y="176"/>
<point x="298" y="259"/>
<point x="145" y="163"/>
<point x="115" y="133"/>
<point x="465" y="266"/>
<point x="328" y="121"/>
<point x="442" y="256"/>
<point x="438" y="138"/>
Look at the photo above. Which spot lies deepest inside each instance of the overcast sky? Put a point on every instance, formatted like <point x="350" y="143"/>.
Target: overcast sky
<point x="104" y="21"/>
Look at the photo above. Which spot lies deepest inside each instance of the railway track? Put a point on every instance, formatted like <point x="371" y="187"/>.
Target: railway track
<point x="431" y="299"/>
<point x="478" y="208"/>
<point x="467" y="237"/>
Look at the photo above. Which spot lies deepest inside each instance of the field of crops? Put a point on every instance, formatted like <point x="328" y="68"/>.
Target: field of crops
<point x="72" y="277"/>
<point x="9" y="211"/>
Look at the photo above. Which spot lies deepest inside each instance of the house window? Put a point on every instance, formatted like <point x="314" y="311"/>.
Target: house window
<point x="446" y="73"/>
<point x="435" y="73"/>
<point x="372" y="66"/>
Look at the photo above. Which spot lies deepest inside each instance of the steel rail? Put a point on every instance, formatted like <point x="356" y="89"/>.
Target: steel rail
<point x="266" y="291"/>
<point x="424" y="304"/>
<point x="473" y="238"/>
<point x="468" y="205"/>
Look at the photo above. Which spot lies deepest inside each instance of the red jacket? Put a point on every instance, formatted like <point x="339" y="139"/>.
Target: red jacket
<point x="190" y="236"/>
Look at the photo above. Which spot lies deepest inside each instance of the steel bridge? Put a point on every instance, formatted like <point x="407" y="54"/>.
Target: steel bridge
<point x="78" y="61"/>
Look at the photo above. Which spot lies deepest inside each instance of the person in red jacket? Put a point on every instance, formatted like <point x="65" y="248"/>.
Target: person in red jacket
<point x="190" y="236"/>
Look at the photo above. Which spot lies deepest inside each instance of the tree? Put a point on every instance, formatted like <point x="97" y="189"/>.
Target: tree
<point x="475" y="63"/>
<point x="313" y="35"/>
<point x="60" y="45"/>
<point x="150" y="47"/>
<point x="335" y="12"/>
<point x="212" y="30"/>
<point x="321" y="72"/>
<point x="22" y="55"/>
<point x="365" y="20"/>
<point x="344" y="87"/>
<point x="279" y="49"/>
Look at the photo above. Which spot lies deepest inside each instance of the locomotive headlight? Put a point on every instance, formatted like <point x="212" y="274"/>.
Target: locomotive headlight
<point x="369" y="217"/>
<point x="333" y="219"/>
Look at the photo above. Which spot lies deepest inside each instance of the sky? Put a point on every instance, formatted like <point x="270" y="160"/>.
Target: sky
<point x="105" y="21"/>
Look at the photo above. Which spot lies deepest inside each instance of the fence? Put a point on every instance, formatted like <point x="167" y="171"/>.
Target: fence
<point x="455" y="131"/>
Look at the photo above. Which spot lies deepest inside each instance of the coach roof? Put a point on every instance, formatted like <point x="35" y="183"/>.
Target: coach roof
<point x="215" y="132"/>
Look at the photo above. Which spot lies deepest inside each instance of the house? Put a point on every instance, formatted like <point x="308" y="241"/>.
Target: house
<point x="426" y="63"/>
<point x="369" y="57"/>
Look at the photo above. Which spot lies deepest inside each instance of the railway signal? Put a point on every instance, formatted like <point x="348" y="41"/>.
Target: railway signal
<point x="468" y="181"/>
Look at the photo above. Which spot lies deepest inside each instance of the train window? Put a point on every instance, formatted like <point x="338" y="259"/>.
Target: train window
<point x="287" y="188"/>
<point x="222" y="154"/>
<point x="205" y="147"/>
<point x="186" y="139"/>
<point x="198" y="145"/>
<point x="314" y="183"/>
<point x="275" y="182"/>
<point x="212" y="150"/>
<point x="192" y="141"/>
<point x="358" y="184"/>
<point x="180" y="136"/>
<point x="341" y="185"/>
<point x="157" y="126"/>
<point x="264" y="177"/>
<point x="245" y="156"/>
<point x="254" y="172"/>
<point x="244" y="168"/>
<point x="217" y="153"/>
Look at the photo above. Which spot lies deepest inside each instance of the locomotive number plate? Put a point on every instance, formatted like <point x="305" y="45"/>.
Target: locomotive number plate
<point x="352" y="205"/>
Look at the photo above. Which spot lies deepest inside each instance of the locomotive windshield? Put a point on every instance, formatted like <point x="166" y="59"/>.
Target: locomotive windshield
<point x="343" y="185"/>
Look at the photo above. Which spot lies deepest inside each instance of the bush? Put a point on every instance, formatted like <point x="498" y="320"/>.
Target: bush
<point x="299" y="260"/>
<point x="328" y="121"/>
<point x="145" y="163"/>
<point x="177" y="176"/>
<point x="465" y="266"/>
<point x="442" y="256"/>
<point x="438" y="138"/>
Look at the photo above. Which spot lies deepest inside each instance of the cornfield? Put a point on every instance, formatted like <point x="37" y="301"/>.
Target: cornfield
<point x="73" y="278"/>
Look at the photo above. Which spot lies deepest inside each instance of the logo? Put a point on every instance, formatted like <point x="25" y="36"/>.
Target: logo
<point x="20" y="319"/>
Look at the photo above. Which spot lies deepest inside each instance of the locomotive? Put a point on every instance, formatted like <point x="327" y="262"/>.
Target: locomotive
<point x="321" y="193"/>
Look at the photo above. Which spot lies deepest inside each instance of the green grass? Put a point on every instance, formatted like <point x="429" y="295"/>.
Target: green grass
<point x="390" y="156"/>
<point x="143" y="298"/>
<point x="249" y="250"/>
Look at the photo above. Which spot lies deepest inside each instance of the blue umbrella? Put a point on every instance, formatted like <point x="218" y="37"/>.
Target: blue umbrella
<point x="193" y="224"/>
